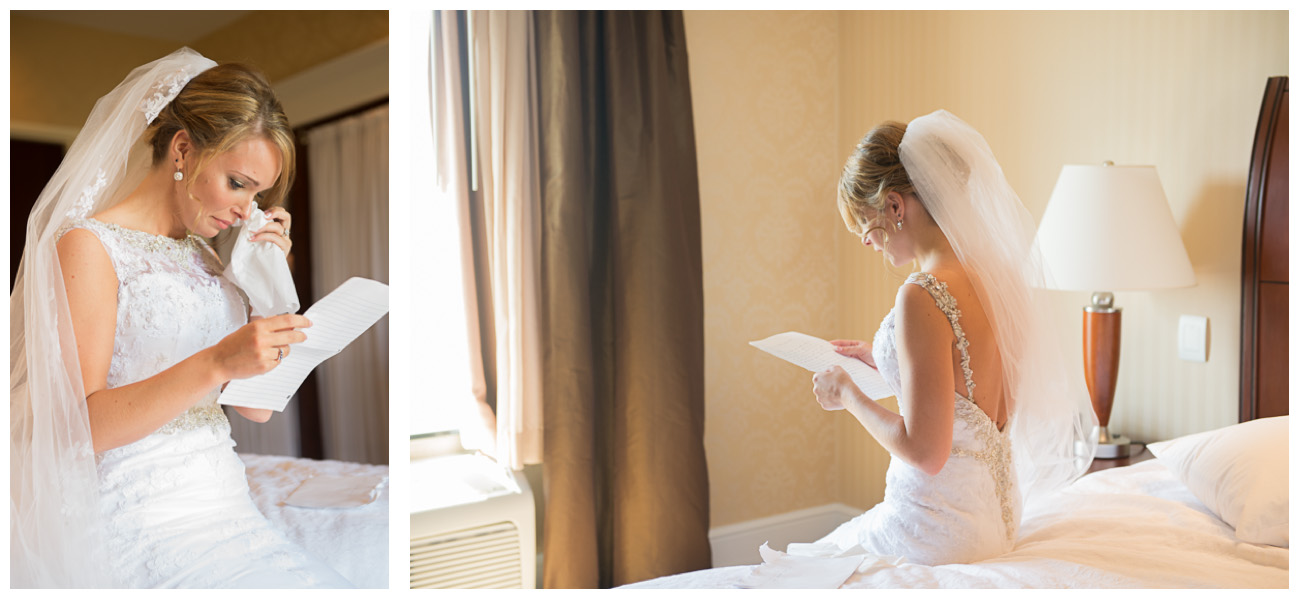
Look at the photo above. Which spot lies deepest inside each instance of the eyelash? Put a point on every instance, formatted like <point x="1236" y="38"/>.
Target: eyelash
<point x="236" y="184"/>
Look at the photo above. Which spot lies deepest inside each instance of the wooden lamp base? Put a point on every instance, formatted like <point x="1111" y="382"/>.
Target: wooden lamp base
<point x="1101" y="330"/>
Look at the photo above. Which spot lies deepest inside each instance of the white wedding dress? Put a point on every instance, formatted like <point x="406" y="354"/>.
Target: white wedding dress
<point x="970" y="510"/>
<point x="176" y="505"/>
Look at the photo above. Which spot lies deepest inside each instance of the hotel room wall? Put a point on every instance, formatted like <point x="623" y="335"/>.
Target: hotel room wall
<point x="1178" y="90"/>
<point x="56" y="102"/>
<point x="763" y="89"/>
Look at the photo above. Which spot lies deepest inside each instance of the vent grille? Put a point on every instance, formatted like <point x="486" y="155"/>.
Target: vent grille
<point x="485" y="557"/>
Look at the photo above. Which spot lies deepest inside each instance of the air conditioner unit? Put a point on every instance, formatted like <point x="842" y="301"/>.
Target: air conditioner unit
<point x="472" y="525"/>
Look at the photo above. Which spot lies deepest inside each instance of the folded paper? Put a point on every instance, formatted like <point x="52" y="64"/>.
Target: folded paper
<point x="816" y="354"/>
<point x="336" y="320"/>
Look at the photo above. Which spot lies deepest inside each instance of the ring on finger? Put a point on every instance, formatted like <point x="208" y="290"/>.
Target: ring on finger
<point x="279" y="357"/>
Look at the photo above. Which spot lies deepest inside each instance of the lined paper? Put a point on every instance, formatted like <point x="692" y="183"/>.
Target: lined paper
<point x="336" y="320"/>
<point x="816" y="354"/>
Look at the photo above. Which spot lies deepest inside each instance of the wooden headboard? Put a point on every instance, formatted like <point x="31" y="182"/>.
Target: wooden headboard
<point x="1264" y="278"/>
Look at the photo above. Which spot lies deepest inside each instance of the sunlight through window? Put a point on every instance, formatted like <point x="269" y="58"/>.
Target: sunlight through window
<point x="442" y="389"/>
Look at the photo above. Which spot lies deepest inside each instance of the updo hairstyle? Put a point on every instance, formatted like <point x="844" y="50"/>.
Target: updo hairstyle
<point x="220" y="108"/>
<point x="871" y="172"/>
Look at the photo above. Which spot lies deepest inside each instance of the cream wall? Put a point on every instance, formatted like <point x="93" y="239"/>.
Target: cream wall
<point x="763" y="88"/>
<point x="1178" y="90"/>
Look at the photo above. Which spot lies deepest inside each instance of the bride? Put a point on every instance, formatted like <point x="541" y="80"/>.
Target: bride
<point x="122" y="470"/>
<point x="988" y="413"/>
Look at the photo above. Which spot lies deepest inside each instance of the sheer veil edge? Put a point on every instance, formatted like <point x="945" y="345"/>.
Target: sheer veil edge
<point x="55" y="537"/>
<point x="963" y="188"/>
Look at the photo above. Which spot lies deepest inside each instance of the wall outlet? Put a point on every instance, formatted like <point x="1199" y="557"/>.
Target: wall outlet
<point x="1193" y="338"/>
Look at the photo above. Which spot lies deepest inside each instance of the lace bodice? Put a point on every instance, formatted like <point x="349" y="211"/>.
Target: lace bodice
<point x="176" y="504"/>
<point x="171" y="303"/>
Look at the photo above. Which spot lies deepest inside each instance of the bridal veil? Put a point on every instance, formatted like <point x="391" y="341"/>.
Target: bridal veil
<point x="55" y="538"/>
<point x="963" y="188"/>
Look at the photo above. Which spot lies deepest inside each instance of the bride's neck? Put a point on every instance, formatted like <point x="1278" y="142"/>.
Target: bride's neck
<point x="151" y="207"/>
<point x="934" y="252"/>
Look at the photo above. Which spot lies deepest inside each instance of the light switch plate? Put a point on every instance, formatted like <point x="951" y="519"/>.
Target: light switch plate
<point x="1193" y="338"/>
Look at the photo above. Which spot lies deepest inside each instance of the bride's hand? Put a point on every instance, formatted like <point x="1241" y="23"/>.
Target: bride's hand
<point x="833" y="388"/>
<point x="277" y="230"/>
<point x="258" y="346"/>
<point x="855" y="349"/>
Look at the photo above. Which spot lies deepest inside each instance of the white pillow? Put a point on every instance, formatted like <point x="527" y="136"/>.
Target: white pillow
<point x="1240" y="473"/>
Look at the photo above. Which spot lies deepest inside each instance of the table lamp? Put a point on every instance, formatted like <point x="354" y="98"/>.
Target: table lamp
<point x="1109" y="228"/>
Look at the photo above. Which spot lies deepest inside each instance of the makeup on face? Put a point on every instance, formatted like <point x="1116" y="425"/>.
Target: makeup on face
<point x="230" y="182"/>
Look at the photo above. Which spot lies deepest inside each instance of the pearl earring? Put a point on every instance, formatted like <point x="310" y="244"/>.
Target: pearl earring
<point x="900" y="224"/>
<point x="178" y="175"/>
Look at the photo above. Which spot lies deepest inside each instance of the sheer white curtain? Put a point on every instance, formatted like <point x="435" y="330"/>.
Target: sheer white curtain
<point x="470" y="411"/>
<point x="348" y="178"/>
<point x="502" y="167"/>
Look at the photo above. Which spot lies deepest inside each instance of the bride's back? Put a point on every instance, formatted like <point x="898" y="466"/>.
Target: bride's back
<point x="985" y="359"/>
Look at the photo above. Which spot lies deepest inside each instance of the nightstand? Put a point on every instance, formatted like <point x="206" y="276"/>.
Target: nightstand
<point x="1136" y="454"/>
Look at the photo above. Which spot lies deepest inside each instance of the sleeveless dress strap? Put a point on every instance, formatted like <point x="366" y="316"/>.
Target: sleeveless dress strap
<point x="996" y="451"/>
<point x="948" y="305"/>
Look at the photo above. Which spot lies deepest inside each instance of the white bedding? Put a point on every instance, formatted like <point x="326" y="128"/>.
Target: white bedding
<point x="1130" y="527"/>
<point x="354" y="541"/>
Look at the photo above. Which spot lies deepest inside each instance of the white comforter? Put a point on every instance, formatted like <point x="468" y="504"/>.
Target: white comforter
<point x="354" y="541"/>
<point x="1132" y="527"/>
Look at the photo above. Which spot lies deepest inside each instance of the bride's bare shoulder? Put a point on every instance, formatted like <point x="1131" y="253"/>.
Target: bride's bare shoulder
<point x="83" y="257"/>
<point x="955" y="277"/>
<point x="958" y="284"/>
<point x="918" y="312"/>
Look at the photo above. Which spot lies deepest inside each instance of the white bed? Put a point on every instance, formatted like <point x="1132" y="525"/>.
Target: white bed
<point x="1139" y="526"/>
<point x="354" y="541"/>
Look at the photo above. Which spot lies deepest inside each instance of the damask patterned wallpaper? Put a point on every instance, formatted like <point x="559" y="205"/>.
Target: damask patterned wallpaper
<point x="763" y="88"/>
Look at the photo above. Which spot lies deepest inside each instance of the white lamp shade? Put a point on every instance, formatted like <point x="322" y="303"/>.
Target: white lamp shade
<point x="1109" y="228"/>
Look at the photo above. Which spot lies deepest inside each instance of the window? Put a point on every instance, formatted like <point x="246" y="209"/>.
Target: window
<point x="442" y="390"/>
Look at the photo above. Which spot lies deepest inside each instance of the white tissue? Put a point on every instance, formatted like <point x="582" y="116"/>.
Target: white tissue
<point x="261" y="270"/>
<point x="336" y="491"/>
<point x="813" y="566"/>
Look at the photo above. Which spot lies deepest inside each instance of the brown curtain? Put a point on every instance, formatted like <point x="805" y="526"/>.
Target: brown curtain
<point x="622" y="301"/>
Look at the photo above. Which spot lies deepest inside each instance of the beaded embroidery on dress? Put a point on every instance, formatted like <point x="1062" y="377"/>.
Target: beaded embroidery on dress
<point x="176" y="503"/>
<point x="970" y="510"/>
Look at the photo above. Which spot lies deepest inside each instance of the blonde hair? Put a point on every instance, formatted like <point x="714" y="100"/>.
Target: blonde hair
<point x="871" y="172"/>
<point x="220" y="108"/>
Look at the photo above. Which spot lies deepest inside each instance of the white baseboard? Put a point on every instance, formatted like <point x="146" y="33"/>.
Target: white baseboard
<point x="737" y="544"/>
